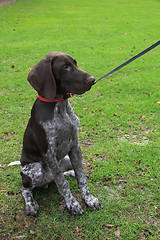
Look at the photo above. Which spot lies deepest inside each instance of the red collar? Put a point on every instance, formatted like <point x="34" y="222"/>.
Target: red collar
<point x="54" y="100"/>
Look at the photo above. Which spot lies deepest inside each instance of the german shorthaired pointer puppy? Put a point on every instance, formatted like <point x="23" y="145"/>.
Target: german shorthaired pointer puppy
<point x="52" y="132"/>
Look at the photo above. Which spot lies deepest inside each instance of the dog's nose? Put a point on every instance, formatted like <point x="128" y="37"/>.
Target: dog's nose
<point x="91" y="80"/>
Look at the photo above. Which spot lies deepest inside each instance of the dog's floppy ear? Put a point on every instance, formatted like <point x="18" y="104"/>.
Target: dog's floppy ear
<point x="42" y="79"/>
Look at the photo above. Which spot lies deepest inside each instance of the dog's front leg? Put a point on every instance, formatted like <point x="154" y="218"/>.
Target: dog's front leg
<point x="63" y="186"/>
<point x="76" y="160"/>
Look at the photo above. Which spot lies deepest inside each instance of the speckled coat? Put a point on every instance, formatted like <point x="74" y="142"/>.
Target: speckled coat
<point x="50" y="145"/>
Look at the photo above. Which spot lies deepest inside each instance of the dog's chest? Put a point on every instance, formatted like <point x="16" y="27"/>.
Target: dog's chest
<point x="62" y="130"/>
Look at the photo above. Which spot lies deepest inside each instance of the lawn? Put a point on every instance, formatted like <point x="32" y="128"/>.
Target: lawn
<point x="119" y="116"/>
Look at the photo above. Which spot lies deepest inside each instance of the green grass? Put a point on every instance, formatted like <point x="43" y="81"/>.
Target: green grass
<point x="119" y="117"/>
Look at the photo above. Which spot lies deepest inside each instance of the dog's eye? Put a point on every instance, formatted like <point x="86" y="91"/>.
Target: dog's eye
<point x="67" y="66"/>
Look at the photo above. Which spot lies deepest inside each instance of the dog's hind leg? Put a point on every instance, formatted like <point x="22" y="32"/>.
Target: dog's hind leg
<point x="32" y="176"/>
<point x="65" y="164"/>
<point x="66" y="167"/>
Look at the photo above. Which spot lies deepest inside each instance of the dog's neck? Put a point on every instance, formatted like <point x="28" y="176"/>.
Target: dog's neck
<point x="56" y="99"/>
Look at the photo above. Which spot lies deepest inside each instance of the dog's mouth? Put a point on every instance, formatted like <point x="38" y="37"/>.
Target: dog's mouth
<point x="81" y="86"/>
<point x="80" y="91"/>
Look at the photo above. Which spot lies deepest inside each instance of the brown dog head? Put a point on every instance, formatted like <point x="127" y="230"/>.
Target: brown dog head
<point x="56" y="74"/>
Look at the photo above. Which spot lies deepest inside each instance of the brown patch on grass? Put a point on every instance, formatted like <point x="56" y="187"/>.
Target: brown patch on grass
<point x="4" y="2"/>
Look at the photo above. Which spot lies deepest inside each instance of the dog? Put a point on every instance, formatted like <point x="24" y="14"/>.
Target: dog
<point x="50" y="143"/>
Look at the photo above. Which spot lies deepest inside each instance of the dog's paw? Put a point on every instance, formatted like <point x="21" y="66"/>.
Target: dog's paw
<point x="74" y="207"/>
<point x="92" y="202"/>
<point x="32" y="208"/>
<point x="69" y="174"/>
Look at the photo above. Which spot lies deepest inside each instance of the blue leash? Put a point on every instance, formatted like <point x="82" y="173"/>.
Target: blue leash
<point x="130" y="60"/>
